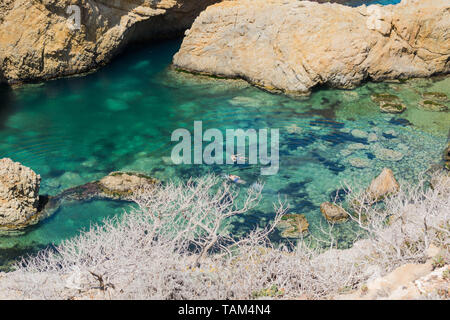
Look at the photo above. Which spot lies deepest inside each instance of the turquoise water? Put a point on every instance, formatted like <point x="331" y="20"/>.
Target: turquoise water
<point x="72" y="131"/>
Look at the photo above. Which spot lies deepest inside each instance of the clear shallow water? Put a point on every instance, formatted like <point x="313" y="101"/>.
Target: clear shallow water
<point x="72" y="131"/>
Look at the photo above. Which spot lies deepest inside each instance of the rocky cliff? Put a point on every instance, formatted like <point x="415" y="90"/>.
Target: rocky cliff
<point x="292" y="46"/>
<point x="44" y="39"/>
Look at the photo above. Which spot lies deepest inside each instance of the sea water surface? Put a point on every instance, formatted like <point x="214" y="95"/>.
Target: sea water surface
<point x="72" y="131"/>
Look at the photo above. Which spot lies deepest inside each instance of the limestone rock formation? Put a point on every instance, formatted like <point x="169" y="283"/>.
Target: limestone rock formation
<point x="19" y="194"/>
<point x="42" y="39"/>
<point x="383" y="185"/>
<point x="292" y="46"/>
<point x="333" y="213"/>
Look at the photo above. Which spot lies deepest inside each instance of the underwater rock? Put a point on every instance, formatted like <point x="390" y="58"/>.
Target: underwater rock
<point x="123" y="184"/>
<point x="372" y="137"/>
<point x="333" y="213"/>
<point x="389" y="103"/>
<point x="359" y="134"/>
<point x="383" y="185"/>
<point x="430" y="105"/>
<point x="435" y="96"/>
<point x="293" y="225"/>
<point x="359" y="162"/>
<point x="19" y="194"/>
<point x="388" y="154"/>
<point x="392" y="107"/>
<point x="42" y="39"/>
<point x="292" y="46"/>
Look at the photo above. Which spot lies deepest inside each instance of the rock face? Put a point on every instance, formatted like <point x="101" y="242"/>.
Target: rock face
<point x="333" y="213"/>
<point x="40" y="39"/>
<point x="383" y="185"/>
<point x="292" y="46"/>
<point x="19" y="194"/>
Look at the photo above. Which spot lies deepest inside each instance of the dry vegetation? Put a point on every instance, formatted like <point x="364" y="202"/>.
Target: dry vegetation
<point x="176" y="246"/>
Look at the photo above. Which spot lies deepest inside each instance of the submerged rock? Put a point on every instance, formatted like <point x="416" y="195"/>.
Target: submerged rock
<point x="388" y="154"/>
<point x="430" y="105"/>
<point x="383" y="185"/>
<point x="39" y="39"/>
<point x="359" y="162"/>
<point x="291" y="46"/>
<point x="293" y="225"/>
<point x="19" y="194"/>
<point x="359" y="134"/>
<point x="333" y="213"/>
<point x="435" y="96"/>
<point x="392" y="107"/>
<point x="122" y="185"/>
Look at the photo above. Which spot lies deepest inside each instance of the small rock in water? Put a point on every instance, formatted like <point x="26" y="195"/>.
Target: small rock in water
<point x="391" y="132"/>
<point x="293" y="225"/>
<point x="333" y="213"/>
<point x="430" y="105"/>
<point x="372" y="137"/>
<point x="383" y="185"/>
<point x="359" y="134"/>
<point x="388" y="154"/>
<point x="359" y="162"/>
<point x="357" y="146"/>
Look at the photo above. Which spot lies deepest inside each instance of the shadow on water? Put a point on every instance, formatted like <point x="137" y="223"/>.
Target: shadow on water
<point x="6" y="104"/>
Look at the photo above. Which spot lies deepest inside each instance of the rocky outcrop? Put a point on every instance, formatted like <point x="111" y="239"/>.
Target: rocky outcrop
<point x="333" y="213"/>
<point x="41" y="39"/>
<point x="21" y="206"/>
<point x="291" y="46"/>
<point x="19" y="194"/>
<point x="383" y="185"/>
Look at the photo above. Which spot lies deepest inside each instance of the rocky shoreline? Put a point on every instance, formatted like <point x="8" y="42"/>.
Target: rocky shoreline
<point x="38" y="40"/>
<point x="22" y="206"/>
<point x="292" y="46"/>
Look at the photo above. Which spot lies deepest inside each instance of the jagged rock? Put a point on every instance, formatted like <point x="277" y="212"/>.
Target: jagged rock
<point x="39" y="41"/>
<point x="292" y="46"/>
<point x="383" y="185"/>
<point x="333" y="213"/>
<point x="19" y="194"/>
<point x="293" y="225"/>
